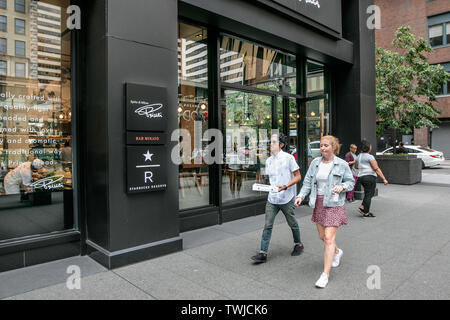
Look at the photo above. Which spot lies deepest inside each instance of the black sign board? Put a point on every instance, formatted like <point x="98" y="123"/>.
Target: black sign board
<point x="146" y="168"/>
<point x="146" y="138"/>
<point x="326" y="12"/>
<point x="146" y="108"/>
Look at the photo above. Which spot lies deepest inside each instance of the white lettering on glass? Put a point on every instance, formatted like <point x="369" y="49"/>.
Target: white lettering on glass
<point x="48" y="183"/>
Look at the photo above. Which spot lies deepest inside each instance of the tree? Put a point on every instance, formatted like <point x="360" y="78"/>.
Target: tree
<point x="407" y="85"/>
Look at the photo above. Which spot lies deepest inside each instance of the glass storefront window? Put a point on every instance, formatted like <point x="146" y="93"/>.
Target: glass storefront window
<point x="317" y="114"/>
<point x="193" y="115"/>
<point x="293" y="132"/>
<point x="247" y="123"/>
<point x="249" y="64"/>
<point x="35" y="124"/>
<point x="280" y="113"/>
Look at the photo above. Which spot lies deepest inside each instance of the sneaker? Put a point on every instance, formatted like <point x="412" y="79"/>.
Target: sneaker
<point x="337" y="259"/>
<point x="323" y="281"/>
<point x="298" y="249"/>
<point x="260" y="257"/>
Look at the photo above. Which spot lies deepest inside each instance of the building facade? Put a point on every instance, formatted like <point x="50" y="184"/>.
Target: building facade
<point x="429" y="19"/>
<point x="125" y="112"/>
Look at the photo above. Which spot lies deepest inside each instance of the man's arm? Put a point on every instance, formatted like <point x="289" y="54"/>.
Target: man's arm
<point x="295" y="180"/>
<point x="349" y="159"/>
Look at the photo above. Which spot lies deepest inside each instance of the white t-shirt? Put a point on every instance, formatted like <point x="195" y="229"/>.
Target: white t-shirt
<point x="280" y="169"/>
<point x="322" y="176"/>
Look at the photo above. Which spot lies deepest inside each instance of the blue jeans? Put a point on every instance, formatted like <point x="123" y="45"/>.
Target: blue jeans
<point x="271" y="212"/>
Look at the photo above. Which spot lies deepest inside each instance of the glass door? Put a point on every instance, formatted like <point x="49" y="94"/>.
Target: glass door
<point x="317" y="125"/>
<point x="247" y="124"/>
<point x="317" y="116"/>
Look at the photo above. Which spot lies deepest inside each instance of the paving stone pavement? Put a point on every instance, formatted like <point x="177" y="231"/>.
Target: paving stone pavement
<point x="408" y="243"/>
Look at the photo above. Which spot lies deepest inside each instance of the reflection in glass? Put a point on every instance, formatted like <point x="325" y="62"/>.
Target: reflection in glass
<point x="280" y="113"/>
<point x="35" y="123"/>
<point x="248" y="64"/>
<point x="247" y="121"/>
<point x="192" y="112"/>
<point x="293" y="132"/>
<point x="317" y="114"/>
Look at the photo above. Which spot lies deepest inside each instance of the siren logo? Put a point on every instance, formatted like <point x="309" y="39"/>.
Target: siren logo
<point x="54" y="182"/>
<point x="150" y="110"/>
<point x="313" y="2"/>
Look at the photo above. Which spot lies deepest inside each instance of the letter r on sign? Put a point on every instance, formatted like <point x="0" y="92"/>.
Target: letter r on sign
<point x="148" y="176"/>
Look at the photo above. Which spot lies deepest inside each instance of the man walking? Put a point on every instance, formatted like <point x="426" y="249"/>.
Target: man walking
<point x="283" y="173"/>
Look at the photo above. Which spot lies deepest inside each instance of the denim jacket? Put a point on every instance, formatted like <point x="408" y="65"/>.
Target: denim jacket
<point x="340" y="174"/>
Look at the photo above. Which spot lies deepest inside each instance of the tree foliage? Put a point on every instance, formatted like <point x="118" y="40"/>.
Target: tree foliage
<point x="407" y="84"/>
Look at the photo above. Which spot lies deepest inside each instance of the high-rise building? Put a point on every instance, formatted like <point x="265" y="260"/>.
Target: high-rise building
<point x="49" y="43"/>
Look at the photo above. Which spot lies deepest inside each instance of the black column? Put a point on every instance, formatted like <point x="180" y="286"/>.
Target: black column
<point x="354" y="112"/>
<point x="133" y="41"/>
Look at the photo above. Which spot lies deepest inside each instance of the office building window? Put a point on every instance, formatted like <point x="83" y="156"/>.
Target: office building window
<point x="20" y="70"/>
<point x="435" y="34"/>
<point x="3" y="68"/>
<point x="36" y="196"/>
<point x="2" y="4"/>
<point x="20" y="48"/>
<point x="20" y="5"/>
<point x="3" y="46"/>
<point x="439" y="30"/>
<point x="3" y="23"/>
<point x="20" y="26"/>
<point x="444" y="89"/>
<point x="448" y="33"/>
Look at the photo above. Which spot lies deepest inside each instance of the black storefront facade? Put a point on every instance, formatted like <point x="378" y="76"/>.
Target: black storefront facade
<point x="305" y="68"/>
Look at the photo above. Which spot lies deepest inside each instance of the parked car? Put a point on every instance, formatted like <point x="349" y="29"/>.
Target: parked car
<point x="315" y="149"/>
<point x="428" y="156"/>
<point x="314" y="146"/>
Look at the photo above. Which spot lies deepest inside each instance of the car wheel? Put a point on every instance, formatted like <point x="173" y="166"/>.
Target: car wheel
<point x="423" y="165"/>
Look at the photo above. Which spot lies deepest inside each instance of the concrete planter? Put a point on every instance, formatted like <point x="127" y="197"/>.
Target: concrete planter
<point x="400" y="169"/>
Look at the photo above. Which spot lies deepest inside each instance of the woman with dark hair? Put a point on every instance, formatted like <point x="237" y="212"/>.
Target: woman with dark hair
<point x="368" y="170"/>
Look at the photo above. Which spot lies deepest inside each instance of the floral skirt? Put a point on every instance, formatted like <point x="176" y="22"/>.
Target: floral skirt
<point x="329" y="216"/>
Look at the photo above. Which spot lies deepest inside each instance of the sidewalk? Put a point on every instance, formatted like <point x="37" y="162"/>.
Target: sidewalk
<point x="409" y="241"/>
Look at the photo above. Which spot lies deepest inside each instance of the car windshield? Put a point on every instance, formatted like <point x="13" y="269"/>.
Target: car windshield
<point x="426" y="149"/>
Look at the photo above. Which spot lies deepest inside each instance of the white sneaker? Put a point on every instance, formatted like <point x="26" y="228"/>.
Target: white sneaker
<point x="337" y="259"/>
<point x="323" y="281"/>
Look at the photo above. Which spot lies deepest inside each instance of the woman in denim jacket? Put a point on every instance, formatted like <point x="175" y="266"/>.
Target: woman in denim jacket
<point x="327" y="180"/>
